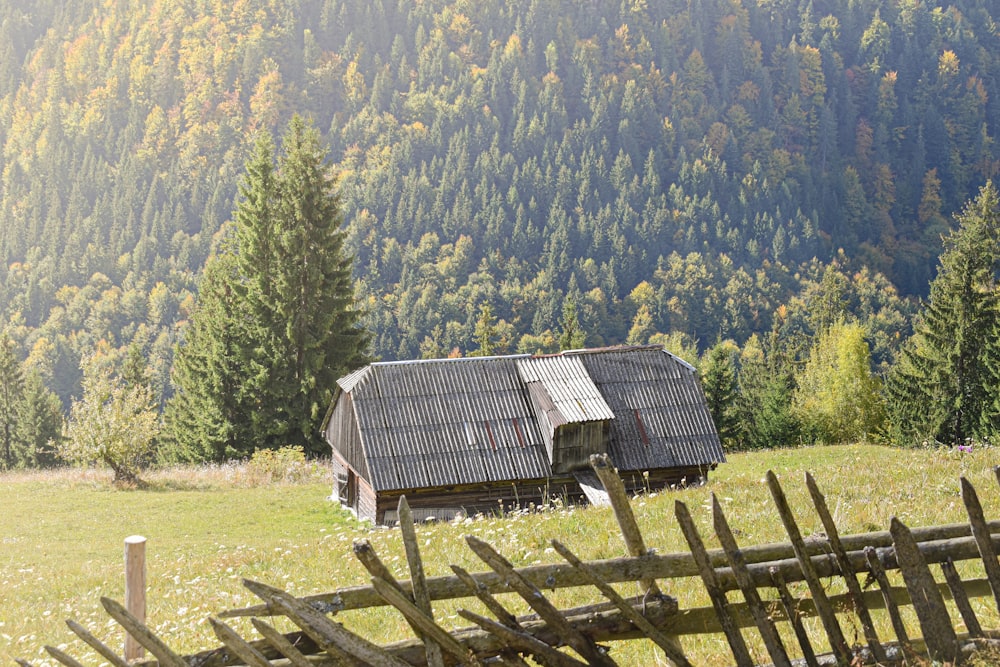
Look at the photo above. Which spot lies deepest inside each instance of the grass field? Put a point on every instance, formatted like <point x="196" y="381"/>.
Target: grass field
<point x="61" y="538"/>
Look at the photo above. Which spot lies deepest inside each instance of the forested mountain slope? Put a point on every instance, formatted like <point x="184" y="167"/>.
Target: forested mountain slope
<point x="672" y="166"/>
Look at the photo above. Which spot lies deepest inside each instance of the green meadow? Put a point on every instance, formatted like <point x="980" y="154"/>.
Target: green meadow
<point x="62" y="533"/>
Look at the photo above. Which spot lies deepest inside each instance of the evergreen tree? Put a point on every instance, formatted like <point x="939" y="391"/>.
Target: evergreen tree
<point x="39" y="425"/>
<point x="718" y="379"/>
<point x="318" y="332"/>
<point x="209" y="416"/>
<point x="944" y="385"/>
<point x="11" y="388"/>
<point x="277" y="322"/>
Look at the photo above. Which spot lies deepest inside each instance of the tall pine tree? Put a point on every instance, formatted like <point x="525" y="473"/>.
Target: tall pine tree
<point x="944" y="386"/>
<point x="277" y="322"/>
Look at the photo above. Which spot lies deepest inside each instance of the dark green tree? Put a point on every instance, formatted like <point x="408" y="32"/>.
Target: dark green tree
<point x="718" y="380"/>
<point x="209" y="415"/>
<point x="944" y="386"/>
<point x="39" y="426"/>
<point x="277" y="323"/>
<point x="11" y="389"/>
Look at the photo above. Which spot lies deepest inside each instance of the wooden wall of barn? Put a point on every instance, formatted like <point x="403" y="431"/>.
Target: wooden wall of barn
<point x="343" y="434"/>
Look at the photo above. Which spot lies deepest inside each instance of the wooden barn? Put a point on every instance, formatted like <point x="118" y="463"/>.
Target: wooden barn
<point x="474" y="434"/>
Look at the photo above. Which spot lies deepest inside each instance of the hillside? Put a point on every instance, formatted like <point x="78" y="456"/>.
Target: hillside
<point x="672" y="167"/>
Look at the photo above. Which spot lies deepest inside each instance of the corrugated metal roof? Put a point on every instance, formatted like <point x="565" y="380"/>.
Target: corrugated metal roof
<point x="568" y="385"/>
<point x="662" y="392"/>
<point x="468" y="421"/>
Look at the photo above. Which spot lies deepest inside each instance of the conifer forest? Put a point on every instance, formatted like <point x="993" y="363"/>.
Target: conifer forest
<point x="795" y="196"/>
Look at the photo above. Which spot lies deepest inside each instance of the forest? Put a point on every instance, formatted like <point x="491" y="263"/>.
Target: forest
<point x="734" y="175"/>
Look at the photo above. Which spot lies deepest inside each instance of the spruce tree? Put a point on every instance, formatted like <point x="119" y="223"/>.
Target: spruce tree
<point x="276" y="323"/>
<point x="209" y="416"/>
<point x="318" y="333"/>
<point x="944" y="386"/>
<point x="718" y="379"/>
<point x="11" y="388"/>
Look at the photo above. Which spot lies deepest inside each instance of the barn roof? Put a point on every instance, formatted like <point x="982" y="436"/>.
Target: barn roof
<point x="445" y="422"/>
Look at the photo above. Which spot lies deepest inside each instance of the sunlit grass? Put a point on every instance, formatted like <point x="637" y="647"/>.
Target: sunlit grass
<point x="61" y="540"/>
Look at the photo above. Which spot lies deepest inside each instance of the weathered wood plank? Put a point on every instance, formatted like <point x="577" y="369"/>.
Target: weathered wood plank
<point x="235" y="643"/>
<point x="715" y="593"/>
<point x="961" y="599"/>
<point x="428" y="628"/>
<point x="846" y="569"/>
<point x="656" y="566"/>
<point x="582" y="644"/>
<point x="794" y="618"/>
<point x="826" y="613"/>
<point x="142" y="634"/>
<point x="878" y="571"/>
<point x="63" y="657"/>
<point x="539" y="650"/>
<point x="601" y="463"/>
<point x="477" y="589"/>
<point x="924" y="594"/>
<point x="421" y="598"/>
<point x="981" y="531"/>
<point x="328" y="635"/>
<point x="669" y="644"/>
<point x="103" y="649"/>
<point x="775" y="647"/>
<point x="281" y="643"/>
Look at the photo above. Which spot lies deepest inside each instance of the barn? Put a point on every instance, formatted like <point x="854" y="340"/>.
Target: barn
<point x="480" y="433"/>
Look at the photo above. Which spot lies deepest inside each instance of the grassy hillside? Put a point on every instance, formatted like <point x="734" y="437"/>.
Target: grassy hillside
<point x="61" y="537"/>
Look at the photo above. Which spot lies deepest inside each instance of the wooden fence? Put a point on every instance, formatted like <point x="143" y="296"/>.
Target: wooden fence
<point x="571" y="637"/>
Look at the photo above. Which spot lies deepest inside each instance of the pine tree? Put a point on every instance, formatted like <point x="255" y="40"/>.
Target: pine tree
<point x="944" y="385"/>
<point x="39" y="424"/>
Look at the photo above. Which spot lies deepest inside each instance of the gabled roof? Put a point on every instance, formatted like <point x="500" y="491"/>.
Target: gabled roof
<point x="447" y="422"/>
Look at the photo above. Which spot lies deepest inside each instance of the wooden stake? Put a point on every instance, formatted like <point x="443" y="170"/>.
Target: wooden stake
<point x="281" y="644"/>
<point x="795" y="618"/>
<point x="331" y="637"/>
<point x="668" y="643"/>
<point x="833" y="537"/>
<point x="875" y="567"/>
<point x="939" y="635"/>
<point x="961" y="599"/>
<point x="826" y="612"/>
<point x="250" y="656"/>
<point x="981" y="532"/>
<point x="708" y="577"/>
<point x="135" y="590"/>
<point x="95" y="643"/>
<point x="775" y="648"/>
<point x="582" y="644"/>
<point x="142" y="634"/>
<point x="522" y="641"/>
<point x="421" y="598"/>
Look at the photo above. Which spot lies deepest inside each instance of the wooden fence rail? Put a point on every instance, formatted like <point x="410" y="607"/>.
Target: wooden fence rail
<point x="734" y="578"/>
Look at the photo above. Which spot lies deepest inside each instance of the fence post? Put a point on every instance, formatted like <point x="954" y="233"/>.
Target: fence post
<point x="135" y="590"/>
